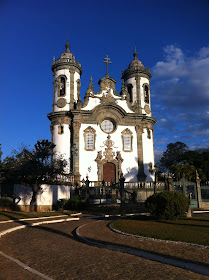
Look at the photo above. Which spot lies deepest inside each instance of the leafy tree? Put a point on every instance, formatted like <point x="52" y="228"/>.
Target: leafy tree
<point x="173" y="155"/>
<point x="34" y="167"/>
<point x="200" y="160"/>
<point x="184" y="169"/>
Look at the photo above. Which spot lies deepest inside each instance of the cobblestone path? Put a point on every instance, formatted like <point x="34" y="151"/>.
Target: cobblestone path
<point x="54" y="251"/>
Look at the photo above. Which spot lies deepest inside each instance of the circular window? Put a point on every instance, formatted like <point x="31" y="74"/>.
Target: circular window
<point x="107" y="126"/>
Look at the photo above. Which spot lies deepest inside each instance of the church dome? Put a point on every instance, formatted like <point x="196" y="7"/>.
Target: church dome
<point x="135" y="62"/>
<point x="135" y="67"/>
<point x="67" y="53"/>
<point x="67" y="59"/>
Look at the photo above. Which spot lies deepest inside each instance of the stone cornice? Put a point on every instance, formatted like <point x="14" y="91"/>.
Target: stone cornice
<point x="130" y="72"/>
<point x="60" y="114"/>
<point x="121" y="117"/>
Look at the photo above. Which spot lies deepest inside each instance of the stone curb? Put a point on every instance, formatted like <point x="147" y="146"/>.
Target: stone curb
<point x="200" y="269"/>
<point x="26" y="267"/>
<point x="2" y="233"/>
<point x="155" y="239"/>
<point x="39" y="218"/>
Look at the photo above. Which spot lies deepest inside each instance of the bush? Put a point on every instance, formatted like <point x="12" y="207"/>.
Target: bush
<point x="6" y="202"/>
<point x="60" y="205"/>
<point x="167" y="205"/>
<point x="74" y="203"/>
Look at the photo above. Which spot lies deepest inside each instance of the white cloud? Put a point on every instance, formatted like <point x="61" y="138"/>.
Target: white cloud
<point x="181" y="87"/>
<point x="204" y="52"/>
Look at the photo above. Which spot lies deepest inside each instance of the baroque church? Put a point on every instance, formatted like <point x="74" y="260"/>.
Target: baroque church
<point x="110" y="134"/>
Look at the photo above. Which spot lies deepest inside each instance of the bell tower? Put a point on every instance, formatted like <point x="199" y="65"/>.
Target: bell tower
<point x="66" y="94"/>
<point x="137" y="80"/>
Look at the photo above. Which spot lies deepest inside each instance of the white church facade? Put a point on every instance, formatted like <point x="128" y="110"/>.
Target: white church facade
<point x="110" y="134"/>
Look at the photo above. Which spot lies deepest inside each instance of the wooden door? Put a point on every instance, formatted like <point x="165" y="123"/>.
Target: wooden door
<point x="109" y="172"/>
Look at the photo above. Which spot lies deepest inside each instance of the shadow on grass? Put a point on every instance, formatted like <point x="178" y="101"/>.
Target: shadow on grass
<point x="101" y="243"/>
<point x="104" y="244"/>
<point x="12" y="216"/>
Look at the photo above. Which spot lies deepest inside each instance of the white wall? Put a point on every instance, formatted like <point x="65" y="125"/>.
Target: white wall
<point x="47" y="196"/>
<point x="62" y="142"/>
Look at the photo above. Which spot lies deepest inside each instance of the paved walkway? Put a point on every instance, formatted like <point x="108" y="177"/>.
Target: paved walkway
<point x="54" y="251"/>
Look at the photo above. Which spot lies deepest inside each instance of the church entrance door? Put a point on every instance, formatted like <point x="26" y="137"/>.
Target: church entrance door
<point x="109" y="172"/>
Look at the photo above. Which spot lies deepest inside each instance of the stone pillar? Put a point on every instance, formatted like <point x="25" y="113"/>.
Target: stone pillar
<point x="199" y="196"/>
<point x="138" y="94"/>
<point x="52" y="133"/>
<point x="76" y="129"/>
<point x="72" y="72"/>
<point x="141" y="175"/>
<point x="122" y="193"/>
<point x="170" y="181"/>
<point x="78" y="89"/>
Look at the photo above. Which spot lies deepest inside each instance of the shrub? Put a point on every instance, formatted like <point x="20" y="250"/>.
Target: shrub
<point x="60" y="205"/>
<point x="6" y="202"/>
<point x="74" y="203"/>
<point x="167" y="205"/>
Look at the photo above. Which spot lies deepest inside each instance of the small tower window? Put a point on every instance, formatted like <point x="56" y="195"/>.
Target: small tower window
<point x="148" y="133"/>
<point x="89" y="138"/>
<point x="130" y="91"/>
<point x="127" y="137"/>
<point x="146" y="94"/>
<point x="62" y="86"/>
<point x="60" y="129"/>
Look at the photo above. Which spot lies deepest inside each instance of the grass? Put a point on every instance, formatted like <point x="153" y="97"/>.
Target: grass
<point x="14" y="215"/>
<point x="191" y="230"/>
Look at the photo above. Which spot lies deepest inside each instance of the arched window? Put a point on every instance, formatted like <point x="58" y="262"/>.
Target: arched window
<point x="62" y="86"/>
<point x="89" y="138"/>
<point x="130" y="91"/>
<point x="127" y="137"/>
<point x="146" y="94"/>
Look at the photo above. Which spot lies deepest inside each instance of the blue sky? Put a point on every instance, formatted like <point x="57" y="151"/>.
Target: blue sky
<point x="171" y="37"/>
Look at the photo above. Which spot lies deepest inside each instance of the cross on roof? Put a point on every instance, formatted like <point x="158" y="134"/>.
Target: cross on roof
<point x="107" y="61"/>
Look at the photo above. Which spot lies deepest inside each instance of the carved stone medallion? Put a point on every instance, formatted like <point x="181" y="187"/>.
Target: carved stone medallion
<point x="147" y="109"/>
<point x="61" y="102"/>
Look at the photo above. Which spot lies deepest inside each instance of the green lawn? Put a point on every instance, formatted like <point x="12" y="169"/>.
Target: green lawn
<point x="13" y="215"/>
<point x="192" y="230"/>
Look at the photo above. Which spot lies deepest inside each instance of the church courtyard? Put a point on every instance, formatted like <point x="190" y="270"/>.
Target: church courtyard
<point x="84" y="247"/>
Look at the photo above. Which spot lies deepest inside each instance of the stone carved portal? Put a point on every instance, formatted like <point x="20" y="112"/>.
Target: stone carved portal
<point x="109" y="168"/>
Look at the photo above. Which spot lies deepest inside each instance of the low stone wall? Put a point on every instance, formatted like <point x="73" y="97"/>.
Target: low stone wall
<point x="204" y="205"/>
<point x="46" y="198"/>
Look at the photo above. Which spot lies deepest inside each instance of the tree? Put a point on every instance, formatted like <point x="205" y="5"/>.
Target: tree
<point x="34" y="167"/>
<point x="173" y="155"/>
<point x="179" y="170"/>
<point x="200" y="160"/>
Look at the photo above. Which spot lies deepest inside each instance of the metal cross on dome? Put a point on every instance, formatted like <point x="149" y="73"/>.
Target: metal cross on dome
<point x="107" y="61"/>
